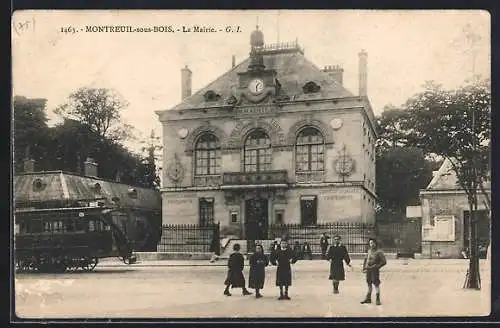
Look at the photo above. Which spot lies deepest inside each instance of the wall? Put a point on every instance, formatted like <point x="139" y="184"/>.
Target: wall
<point x="445" y="204"/>
<point x="182" y="207"/>
<point x="349" y="135"/>
<point x="352" y="204"/>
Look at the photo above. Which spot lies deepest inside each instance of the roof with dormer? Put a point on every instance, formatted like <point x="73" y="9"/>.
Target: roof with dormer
<point x="58" y="187"/>
<point x="293" y="70"/>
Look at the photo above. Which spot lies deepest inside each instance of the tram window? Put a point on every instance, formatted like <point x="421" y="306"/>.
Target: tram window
<point x="99" y="225"/>
<point x="46" y="226"/>
<point x="23" y="228"/>
<point x="35" y="226"/>
<point x="69" y="225"/>
<point x="92" y="226"/>
<point x="57" y="226"/>
<point x="79" y="225"/>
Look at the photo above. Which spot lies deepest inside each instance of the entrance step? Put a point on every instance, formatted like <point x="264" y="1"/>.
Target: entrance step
<point x="266" y="244"/>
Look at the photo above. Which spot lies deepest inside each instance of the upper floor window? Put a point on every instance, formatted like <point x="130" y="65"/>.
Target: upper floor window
<point x="257" y="152"/>
<point x="207" y="155"/>
<point x="310" y="150"/>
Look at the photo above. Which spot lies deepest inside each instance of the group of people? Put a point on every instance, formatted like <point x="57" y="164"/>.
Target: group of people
<point x="283" y="257"/>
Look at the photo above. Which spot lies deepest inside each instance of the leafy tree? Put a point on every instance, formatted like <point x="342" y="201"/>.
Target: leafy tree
<point x="400" y="174"/>
<point x="72" y="142"/>
<point x="100" y="109"/>
<point x="148" y="170"/>
<point x="391" y="128"/>
<point x="456" y="125"/>
<point x="31" y="133"/>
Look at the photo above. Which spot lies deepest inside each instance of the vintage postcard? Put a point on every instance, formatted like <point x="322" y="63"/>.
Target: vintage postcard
<point x="251" y="164"/>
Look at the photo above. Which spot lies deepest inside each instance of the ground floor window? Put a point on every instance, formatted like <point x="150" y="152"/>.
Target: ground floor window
<point x="308" y="210"/>
<point x="206" y="211"/>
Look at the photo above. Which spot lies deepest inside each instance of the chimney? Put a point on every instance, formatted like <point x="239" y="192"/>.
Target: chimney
<point x="186" y="75"/>
<point x="90" y="168"/>
<point x="233" y="61"/>
<point x="336" y="72"/>
<point x="28" y="165"/>
<point x="363" y="71"/>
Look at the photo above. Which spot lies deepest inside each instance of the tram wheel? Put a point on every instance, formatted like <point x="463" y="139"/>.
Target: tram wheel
<point x="89" y="264"/>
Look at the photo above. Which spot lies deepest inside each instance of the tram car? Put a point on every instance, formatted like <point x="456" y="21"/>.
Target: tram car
<point x="68" y="239"/>
<point x="68" y="221"/>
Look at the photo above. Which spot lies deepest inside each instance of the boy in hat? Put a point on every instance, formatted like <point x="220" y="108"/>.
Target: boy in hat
<point x="283" y="258"/>
<point x="235" y="277"/>
<point x="374" y="260"/>
<point x="337" y="254"/>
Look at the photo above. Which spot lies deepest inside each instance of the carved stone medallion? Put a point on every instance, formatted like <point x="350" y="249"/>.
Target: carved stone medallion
<point x="175" y="170"/>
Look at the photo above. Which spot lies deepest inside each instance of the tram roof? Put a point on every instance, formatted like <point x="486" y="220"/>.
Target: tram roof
<point x="70" y="188"/>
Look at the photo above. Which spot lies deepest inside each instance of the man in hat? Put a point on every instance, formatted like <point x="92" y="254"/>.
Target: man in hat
<point x="374" y="260"/>
<point x="337" y="254"/>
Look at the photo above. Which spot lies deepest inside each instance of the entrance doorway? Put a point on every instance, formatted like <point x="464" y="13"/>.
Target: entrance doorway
<point x="482" y="231"/>
<point x="256" y="218"/>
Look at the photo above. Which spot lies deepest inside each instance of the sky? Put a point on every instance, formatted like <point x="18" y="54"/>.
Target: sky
<point x="405" y="49"/>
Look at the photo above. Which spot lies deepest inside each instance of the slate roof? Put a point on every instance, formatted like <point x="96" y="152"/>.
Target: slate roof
<point x="61" y="186"/>
<point x="293" y="72"/>
<point x="445" y="178"/>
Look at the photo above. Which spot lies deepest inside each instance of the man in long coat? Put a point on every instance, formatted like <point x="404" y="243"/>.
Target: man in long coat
<point x="235" y="278"/>
<point x="283" y="258"/>
<point x="337" y="254"/>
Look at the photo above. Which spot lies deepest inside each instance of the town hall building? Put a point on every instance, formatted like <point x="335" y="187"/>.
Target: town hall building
<point x="274" y="140"/>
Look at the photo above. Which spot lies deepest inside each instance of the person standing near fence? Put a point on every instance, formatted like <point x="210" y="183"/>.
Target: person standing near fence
<point x="374" y="260"/>
<point x="323" y="243"/>
<point x="215" y="246"/>
<point x="306" y="251"/>
<point x="258" y="262"/>
<point x="283" y="258"/>
<point x="337" y="254"/>
<point x="235" y="278"/>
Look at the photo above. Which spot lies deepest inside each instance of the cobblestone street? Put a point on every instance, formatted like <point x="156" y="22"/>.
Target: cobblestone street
<point x="172" y="289"/>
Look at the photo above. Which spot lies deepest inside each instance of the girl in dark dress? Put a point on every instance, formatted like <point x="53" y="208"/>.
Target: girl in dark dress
<point x="258" y="263"/>
<point x="235" y="277"/>
<point x="337" y="254"/>
<point x="283" y="257"/>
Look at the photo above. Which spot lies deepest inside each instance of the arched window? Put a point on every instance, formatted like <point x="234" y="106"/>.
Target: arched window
<point x="207" y="155"/>
<point x="309" y="151"/>
<point x="257" y="152"/>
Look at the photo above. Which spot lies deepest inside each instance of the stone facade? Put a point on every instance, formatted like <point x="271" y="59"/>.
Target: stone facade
<point x="444" y="210"/>
<point x="297" y="96"/>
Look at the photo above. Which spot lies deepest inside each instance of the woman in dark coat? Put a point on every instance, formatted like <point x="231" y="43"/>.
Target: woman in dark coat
<point x="337" y="254"/>
<point x="283" y="257"/>
<point x="258" y="263"/>
<point x="235" y="277"/>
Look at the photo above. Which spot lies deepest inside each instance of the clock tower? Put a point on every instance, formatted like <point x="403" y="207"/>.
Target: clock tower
<point x="257" y="83"/>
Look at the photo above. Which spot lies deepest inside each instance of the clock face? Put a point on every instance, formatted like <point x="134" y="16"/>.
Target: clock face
<point x="256" y="86"/>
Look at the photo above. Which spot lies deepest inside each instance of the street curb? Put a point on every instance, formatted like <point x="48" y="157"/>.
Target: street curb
<point x="223" y="263"/>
